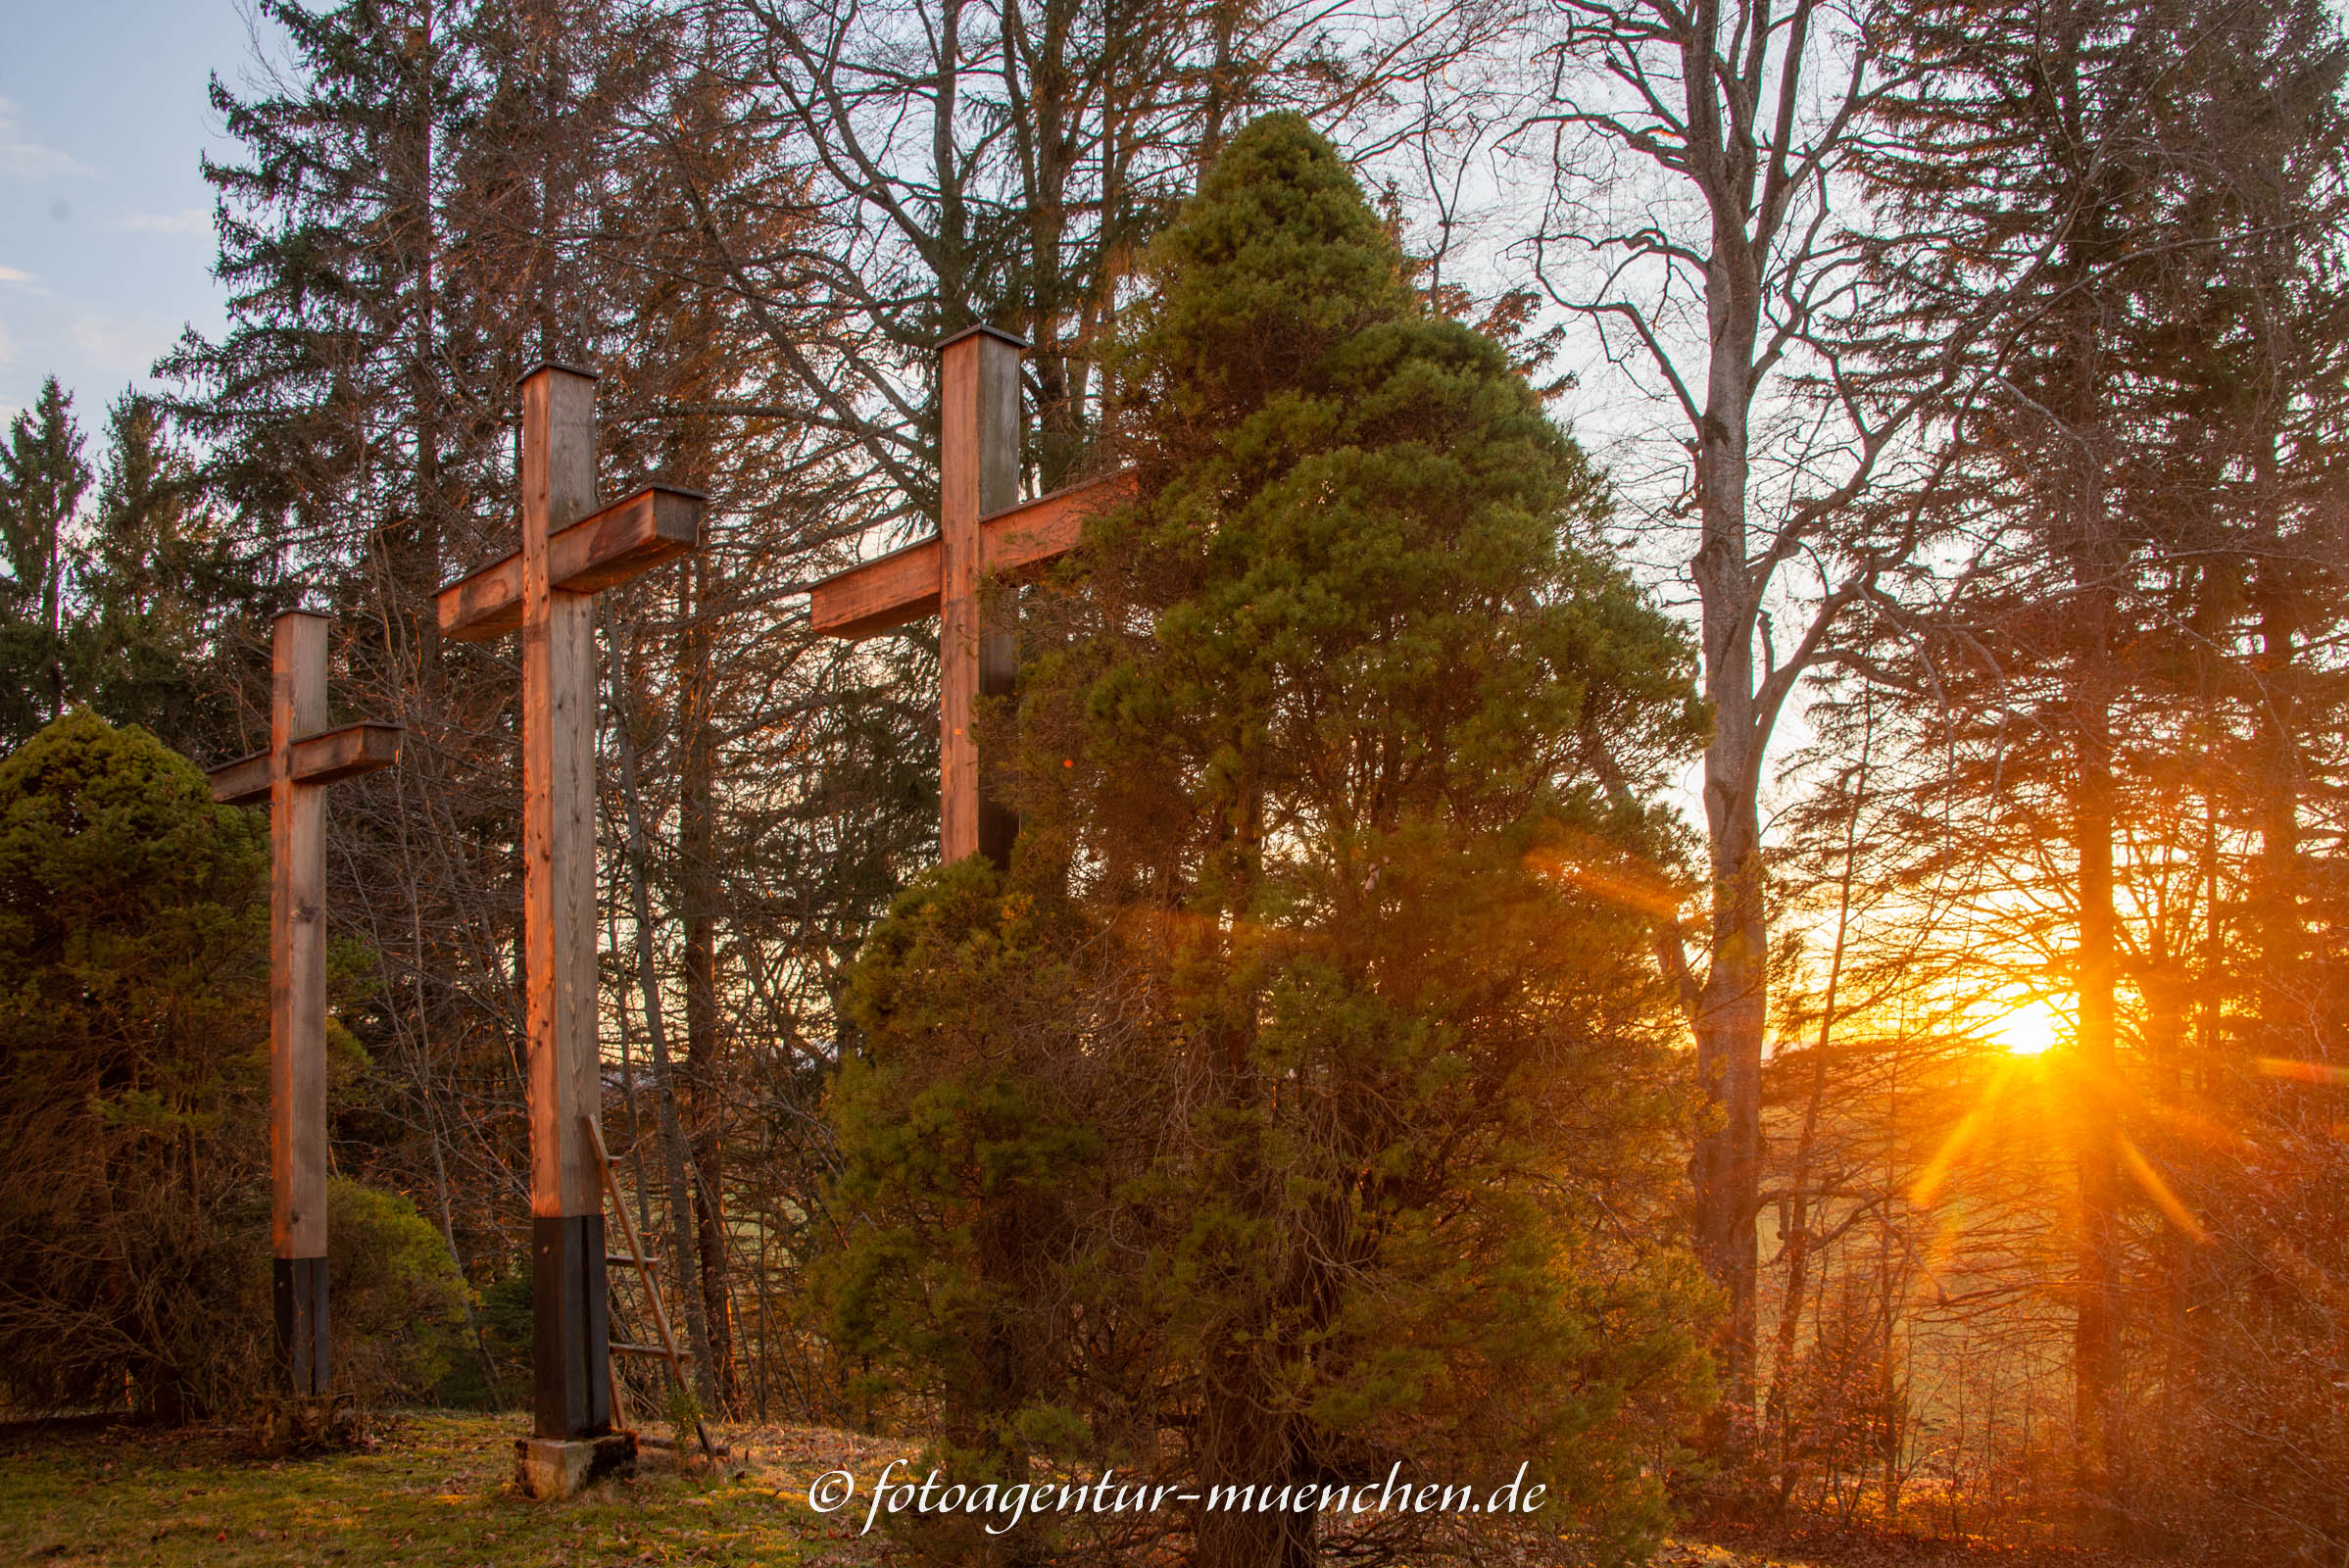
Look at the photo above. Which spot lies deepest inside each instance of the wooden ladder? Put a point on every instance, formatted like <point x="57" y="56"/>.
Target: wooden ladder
<point x="637" y="1257"/>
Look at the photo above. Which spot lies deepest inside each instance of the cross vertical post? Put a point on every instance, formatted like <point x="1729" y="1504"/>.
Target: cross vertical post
<point x="290" y="777"/>
<point x="298" y="1004"/>
<point x="571" y="549"/>
<point x="572" y="1384"/>
<point x="978" y="649"/>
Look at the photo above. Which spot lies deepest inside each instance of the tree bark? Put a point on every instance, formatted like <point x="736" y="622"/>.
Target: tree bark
<point x="2283" y="941"/>
<point x="683" y="1247"/>
<point x="1732" y="1004"/>
<point x="698" y="885"/>
<point x="2096" y="1337"/>
<point x="416" y="574"/>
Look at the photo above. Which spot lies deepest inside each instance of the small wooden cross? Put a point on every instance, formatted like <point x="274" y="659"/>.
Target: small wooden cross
<point x="983" y="529"/>
<point x="546" y="590"/>
<point x="291" y="779"/>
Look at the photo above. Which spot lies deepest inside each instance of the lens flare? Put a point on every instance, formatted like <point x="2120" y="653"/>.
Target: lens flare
<point x="2030" y="1029"/>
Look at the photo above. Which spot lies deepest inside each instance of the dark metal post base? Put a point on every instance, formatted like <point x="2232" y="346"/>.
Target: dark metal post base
<point x="302" y="1339"/>
<point x="570" y="1349"/>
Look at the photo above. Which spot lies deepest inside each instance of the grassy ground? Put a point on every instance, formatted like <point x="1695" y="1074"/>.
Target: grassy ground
<point x="437" y="1488"/>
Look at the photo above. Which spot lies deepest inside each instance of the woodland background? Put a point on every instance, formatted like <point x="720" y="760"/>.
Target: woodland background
<point x="1969" y="376"/>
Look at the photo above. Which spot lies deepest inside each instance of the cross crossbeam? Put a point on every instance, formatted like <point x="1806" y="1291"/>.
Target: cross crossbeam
<point x="569" y="550"/>
<point x="326" y="758"/>
<point x="622" y="541"/>
<point x="290" y="778"/>
<point x="903" y="585"/>
<point x="983" y="534"/>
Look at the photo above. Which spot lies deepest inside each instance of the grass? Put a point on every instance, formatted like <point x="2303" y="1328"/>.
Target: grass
<point x="437" y="1488"/>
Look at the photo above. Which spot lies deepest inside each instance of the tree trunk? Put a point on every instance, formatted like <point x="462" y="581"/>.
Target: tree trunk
<point x="682" y="1245"/>
<point x="416" y="575"/>
<point x="1243" y="1443"/>
<point x="2096" y="1340"/>
<point x="1732" y="1006"/>
<point x="706" y="1091"/>
<point x="2283" y="942"/>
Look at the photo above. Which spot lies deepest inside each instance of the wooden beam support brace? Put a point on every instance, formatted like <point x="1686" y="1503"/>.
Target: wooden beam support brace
<point x="902" y="586"/>
<point x="620" y="542"/>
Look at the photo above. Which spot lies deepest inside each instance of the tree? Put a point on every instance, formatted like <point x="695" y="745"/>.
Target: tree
<point x="133" y="930"/>
<point x="1697" y="218"/>
<point x="43" y="476"/>
<point x="430" y="195"/>
<point x="973" y="1155"/>
<point x="1006" y="162"/>
<point x="2153" y="457"/>
<point x="321" y="402"/>
<point x="155" y="585"/>
<point x="1260" y="1110"/>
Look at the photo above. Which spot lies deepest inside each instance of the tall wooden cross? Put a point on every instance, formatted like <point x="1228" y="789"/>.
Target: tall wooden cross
<point x="291" y="779"/>
<point x="982" y="530"/>
<point x="546" y="590"/>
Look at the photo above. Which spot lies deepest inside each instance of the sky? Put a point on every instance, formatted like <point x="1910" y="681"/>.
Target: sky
<point x="106" y="239"/>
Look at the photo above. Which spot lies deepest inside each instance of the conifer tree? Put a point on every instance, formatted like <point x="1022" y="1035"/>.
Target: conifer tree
<point x="133" y="1092"/>
<point x="43" y="477"/>
<point x="1260" y="1114"/>
<point x="135" y="931"/>
<point x="323" y="402"/>
<point x="156" y="582"/>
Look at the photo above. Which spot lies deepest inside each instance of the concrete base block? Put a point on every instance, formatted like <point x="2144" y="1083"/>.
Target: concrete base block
<point x="556" y="1467"/>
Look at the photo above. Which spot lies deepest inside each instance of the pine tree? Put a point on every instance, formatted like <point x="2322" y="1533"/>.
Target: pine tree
<point x="155" y="585"/>
<point x="1245" y="1116"/>
<point x="133" y="1088"/>
<point x="323" y="403"/>
<point x="133" y="929"/>
<point x="43" y="477"/>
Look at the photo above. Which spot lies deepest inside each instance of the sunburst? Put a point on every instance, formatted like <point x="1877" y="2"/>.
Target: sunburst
<point x="2030" y="1028"/>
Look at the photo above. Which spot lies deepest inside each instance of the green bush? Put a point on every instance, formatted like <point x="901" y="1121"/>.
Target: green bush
<point x="398" y="1303"/>
<point x="134" y="1038"/>
<point x="493" y="1374"/>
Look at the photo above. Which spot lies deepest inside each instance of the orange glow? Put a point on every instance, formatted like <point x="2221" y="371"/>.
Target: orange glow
<point x="1928" y="1185"/>
<point x="1637" y="890"/>
<point x="2307" y="1072"/>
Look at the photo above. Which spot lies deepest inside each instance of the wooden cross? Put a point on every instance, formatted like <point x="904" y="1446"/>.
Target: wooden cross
<point x="983" y="529"/>
<point x="546" y="590"/>
<point x="291" y="779"/>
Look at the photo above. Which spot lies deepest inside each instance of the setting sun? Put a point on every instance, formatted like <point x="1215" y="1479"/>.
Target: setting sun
<point x="2030" y="1029"/>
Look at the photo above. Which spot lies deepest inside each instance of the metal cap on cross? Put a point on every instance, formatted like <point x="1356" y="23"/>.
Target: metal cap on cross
<point x="305" y="755"/>
<point x="984" y="530"/>
<point x="569" y="549"/>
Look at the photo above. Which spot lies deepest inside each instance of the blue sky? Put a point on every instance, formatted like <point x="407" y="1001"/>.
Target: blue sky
<point x="105" y="242"/>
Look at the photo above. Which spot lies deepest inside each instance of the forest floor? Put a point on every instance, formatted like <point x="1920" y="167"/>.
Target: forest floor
<point x="437" y="1488"/>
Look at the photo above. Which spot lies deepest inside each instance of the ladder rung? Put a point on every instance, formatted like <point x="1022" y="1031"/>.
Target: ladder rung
<point x="618" y="1349"/>
<point x="612" y="1260"/>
